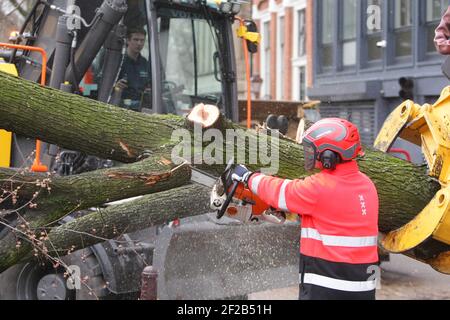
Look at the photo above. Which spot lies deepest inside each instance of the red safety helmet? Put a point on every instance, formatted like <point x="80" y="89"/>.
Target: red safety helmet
<point x="337" y="135"/>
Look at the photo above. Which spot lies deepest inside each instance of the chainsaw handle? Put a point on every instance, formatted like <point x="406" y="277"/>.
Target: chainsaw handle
<point x="227" y="202"/>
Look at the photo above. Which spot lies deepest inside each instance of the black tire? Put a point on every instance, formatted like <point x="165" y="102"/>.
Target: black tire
<point x="93" y="284"/>
<point x="21" y="282"/>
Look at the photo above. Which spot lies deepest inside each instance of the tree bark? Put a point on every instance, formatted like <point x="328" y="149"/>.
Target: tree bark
<point x="58" y="196"/>
<point x="75" y="193"/>
<point x="108" y="223"/>
<point x="77" y="123"/>
<point x="95" y="128"/>
<point x="148" y="211"/>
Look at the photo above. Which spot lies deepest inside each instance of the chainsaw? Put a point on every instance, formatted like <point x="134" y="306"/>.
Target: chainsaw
<point x="233" y="200"/>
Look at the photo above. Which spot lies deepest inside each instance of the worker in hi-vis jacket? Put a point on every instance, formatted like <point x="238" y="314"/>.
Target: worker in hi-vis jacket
<point x="338" y="209"/>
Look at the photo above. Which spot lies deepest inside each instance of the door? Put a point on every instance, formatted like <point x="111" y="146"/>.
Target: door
<point x="193" y="59"/>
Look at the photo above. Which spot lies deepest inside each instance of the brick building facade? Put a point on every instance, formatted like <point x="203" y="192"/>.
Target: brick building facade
<point x="284" y="59"/>
<point x="362" y="50"/>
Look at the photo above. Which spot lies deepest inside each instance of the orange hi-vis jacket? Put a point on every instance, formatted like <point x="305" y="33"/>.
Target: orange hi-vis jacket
<point x="339" y="211"/>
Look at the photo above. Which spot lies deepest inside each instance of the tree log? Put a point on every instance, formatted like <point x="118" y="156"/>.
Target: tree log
<point x="145" y="212"/>
<point x="50" y="115"/>
<point x="74" y="193"/>
<point x="109" y="223"/>
<point x="95" y="128"/>
<point x="61" y="195"/>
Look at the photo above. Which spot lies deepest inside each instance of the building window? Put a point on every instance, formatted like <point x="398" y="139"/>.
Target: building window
<point x="402" y="27"/>
<point x="435" y="9"/>
<point x="298" y="84"/>
<point x="302" y="83"/>
<point x="266" y="63"/>
<point x="361" y="113"/>
<point x="280" y="58"/>
<point x="301" y="34"/>
<point x="327" y="31"/>
<point x="374" y="31"/>
<point x="348" y="34"/>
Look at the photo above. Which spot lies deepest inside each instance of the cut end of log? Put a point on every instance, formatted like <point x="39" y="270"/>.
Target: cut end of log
<point x="165" y="161"/>
<point x="204" y="114"/>
<point x="300" y="131"/>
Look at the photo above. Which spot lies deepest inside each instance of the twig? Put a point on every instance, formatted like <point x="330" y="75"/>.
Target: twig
<point x="17" y="7"/>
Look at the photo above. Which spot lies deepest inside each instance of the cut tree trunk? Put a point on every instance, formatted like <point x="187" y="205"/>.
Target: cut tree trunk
<point x="75" y="193"/>
<point x="145" y="212"/>
<point x="48" y="114"/>
<point x="108" y="223"/>
<point x="56" y="196"/>
<point x="77" y="123"/>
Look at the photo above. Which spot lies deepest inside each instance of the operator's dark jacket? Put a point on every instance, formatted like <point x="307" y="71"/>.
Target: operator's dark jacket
<point x="138" y="75"/>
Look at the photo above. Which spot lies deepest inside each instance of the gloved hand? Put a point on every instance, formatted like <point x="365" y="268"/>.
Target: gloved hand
<point x="441" y="39"/>
<point x="241" y="174"/>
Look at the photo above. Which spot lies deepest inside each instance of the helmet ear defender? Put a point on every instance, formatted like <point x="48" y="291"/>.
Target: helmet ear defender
<point x="338" y="138"/>
<point x="329" y="159"/>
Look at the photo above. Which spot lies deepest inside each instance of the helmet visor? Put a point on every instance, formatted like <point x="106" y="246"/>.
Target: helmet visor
<point x="310" y="155"/>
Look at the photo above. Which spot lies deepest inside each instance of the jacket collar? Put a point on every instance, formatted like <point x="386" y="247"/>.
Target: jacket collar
<point x="343" y="169"/>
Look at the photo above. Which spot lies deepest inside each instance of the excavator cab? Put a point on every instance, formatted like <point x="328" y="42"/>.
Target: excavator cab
<point x="192" y="63"/>
<point x="185" y="59"/>
<point x="189" y="55"/>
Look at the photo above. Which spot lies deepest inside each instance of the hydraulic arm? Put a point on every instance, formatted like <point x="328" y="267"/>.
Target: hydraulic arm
<point x="427" y="126"/>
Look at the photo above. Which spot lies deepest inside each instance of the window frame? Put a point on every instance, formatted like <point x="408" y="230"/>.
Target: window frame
<point x="337" y="41"/>
<point x="365" y="62"/>
<point x="281" y="66"/>
<point x="422" y="51"/>
<point x="319" y="41"/>
<point x="229" y="104"/>
<point x="392" y="58"/>
<point x="340" y="46"/>
<point x="299" y="61"/>
<point x="297" y="54"/>
<point x="302" y="84"/>
<point x="265" y="61"/>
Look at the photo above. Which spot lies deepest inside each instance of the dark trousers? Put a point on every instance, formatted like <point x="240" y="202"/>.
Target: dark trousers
<point x="313" y="292"/>
<point x="339" y="271"/>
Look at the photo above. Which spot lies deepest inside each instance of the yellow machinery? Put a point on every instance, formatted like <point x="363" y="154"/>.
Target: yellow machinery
<point x="10" y="68"/>
<point x="427" y="126"/>
<point x="5" y="136"/>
